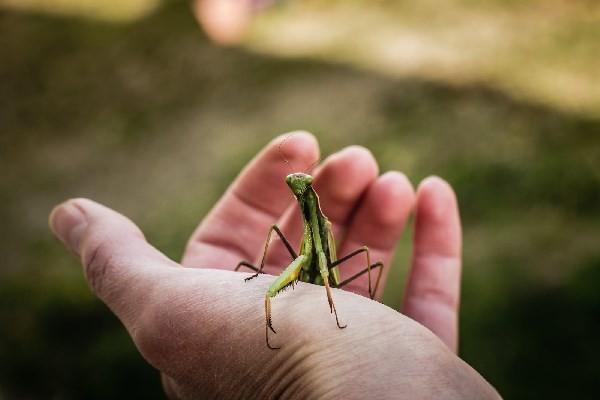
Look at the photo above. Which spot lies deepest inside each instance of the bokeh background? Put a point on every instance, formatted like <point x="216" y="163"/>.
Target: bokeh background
<point x="127" y="102"/>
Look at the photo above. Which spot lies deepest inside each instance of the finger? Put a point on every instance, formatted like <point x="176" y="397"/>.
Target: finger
<point x="121" y="268"/>
<point x="433" y="290"/>
<point x="236" y="227"/>
<point x="225" y="22"/>
<point x="340" y="182"/>
<point x="378" y="224"/>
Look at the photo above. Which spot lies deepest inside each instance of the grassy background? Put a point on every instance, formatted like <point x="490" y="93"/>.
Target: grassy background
<point x="154" y="121"/>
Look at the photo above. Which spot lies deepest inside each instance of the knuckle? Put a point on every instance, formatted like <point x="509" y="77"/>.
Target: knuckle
<point x="98" y="265"/>
<point x="439" y="281"/>
<point x="434" y="294"/>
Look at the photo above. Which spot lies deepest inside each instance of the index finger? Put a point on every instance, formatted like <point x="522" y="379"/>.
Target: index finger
<point x="236" y="227"/>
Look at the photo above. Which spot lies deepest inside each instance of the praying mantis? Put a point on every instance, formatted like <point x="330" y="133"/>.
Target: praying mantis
<point x="317" y="260"/>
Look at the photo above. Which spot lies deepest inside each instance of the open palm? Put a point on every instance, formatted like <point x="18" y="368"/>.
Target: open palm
<point x="199" y="323"/>
<point x="364" y="208"/>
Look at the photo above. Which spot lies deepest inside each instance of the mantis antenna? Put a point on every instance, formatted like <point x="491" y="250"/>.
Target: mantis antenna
<point x="282" y="155"/>
<point x="290" y="167"/>
<point x="311" y="166"/>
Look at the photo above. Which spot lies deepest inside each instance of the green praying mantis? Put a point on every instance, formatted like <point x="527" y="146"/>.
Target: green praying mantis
<point x="317" y="262"/>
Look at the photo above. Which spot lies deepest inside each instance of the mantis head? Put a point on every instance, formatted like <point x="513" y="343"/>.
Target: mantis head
<point x="299" y="182"/>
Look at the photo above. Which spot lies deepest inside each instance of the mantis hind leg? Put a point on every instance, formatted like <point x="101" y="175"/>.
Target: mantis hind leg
<point x="332" y="305"/>
<point x="361" y="273"/>
<point x="287" y="244"/>
<point x="365" y="250"/>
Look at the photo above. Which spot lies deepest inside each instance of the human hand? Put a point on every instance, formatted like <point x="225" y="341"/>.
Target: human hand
<point x="225" y="21"/>
<point x="203" y="329"/>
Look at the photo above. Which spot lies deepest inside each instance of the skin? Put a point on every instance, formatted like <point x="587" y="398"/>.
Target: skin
<point x="225" y="21"/>
<point x="202" y="326"/>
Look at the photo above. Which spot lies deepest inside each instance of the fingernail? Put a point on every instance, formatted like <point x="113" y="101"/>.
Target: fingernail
<point x="68" y="223"/>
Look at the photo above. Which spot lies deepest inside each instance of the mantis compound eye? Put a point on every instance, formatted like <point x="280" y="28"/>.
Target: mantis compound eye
<point x="298" y="183"/>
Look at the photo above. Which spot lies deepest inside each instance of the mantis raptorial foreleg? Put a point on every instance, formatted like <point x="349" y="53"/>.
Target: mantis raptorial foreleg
<point x="287" y="244"/>
<point x="287" y="277"/>
<point x="365" y="250"/>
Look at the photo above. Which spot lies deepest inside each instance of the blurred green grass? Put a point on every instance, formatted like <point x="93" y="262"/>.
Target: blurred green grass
<point x="153" y="121"/>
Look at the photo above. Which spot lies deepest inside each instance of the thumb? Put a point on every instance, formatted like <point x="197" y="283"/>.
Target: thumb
<point x="121" y="268"/>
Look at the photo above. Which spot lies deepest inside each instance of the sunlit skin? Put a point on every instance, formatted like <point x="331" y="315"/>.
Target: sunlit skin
<point x="317" y="261"/>
<point x="199" y="324"/>
<point x="226" y="21"/>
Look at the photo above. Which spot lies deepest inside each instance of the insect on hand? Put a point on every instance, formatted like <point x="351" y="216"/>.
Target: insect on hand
<point x="317" y="262"/>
